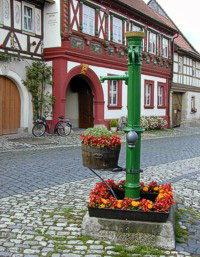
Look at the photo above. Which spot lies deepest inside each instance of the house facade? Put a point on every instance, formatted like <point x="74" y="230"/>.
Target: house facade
<point x="185" y="85"/>
<point x="82" y="40"/>
<point x="21" y="42"/>
<point x="93" y="44"/>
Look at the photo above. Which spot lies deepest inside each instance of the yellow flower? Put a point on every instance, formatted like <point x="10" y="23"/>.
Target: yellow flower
<point x="145" y="189"/>
<point x="119" y="205"/>
<point x="161" y="190"/>
<point x="135" y="204"/>
<point x="119" y="201"/>
<point x="102" y="206"/>
<point x="104" y="201"/>
<point x="150" y="206"/>
<point x="160" y="196"/>
<point x="156" y="189"/>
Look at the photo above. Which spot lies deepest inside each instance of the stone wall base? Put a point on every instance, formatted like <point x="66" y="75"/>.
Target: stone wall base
<point x="160" y="235"/>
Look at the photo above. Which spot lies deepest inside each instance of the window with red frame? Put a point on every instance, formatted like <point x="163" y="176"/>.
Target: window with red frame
<point x="149" y="94"/>
<point x="114" y="94"/>
<point x="161" y="95"/>
<point x="152" y="42"/>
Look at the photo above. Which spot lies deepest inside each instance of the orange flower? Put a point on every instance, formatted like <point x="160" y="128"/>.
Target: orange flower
<point x="150" y="206"/>
<point x="102" y="206"/>
<point x="160" y="196"/>
<point x="135" y="204"/>
<point x="104" y="201"/>
<point x="119" y="205"/>
<point x="156" y="189"/>
<point x="145" y="189"/>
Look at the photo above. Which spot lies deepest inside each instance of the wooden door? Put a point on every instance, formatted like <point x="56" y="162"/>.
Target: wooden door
<point x="176" y="109"/>
<point x="9" y="107"/>
<point x="86" y="117"/>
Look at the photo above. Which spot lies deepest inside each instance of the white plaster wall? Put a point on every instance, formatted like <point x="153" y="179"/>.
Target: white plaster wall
<point x="72" y="107"/>
<point x="110" y="114"/>
<point x="16" y="72"/>
<point x="155" y="111"/>
<point x="52" y="33"/>
<point x="192" y="116"/>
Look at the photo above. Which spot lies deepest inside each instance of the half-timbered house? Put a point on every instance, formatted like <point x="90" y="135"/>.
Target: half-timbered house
<point x="93" y="44"/>
<point x="185" y="85"/>
<point x="21" y="42"/>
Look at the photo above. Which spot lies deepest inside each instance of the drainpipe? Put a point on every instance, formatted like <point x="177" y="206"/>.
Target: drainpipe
<point x="171" y="81"/>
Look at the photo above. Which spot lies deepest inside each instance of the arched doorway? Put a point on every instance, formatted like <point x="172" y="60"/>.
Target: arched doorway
<point x="79" y="102"/>
<point x="9" y="107"/>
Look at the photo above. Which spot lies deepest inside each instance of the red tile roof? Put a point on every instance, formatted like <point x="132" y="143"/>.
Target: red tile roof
<point x="142" y="7"/>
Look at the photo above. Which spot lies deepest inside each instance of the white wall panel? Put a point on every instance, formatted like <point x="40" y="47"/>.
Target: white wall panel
<point x="17" y="15"/>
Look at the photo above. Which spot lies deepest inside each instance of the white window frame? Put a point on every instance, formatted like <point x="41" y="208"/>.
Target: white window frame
<point x="88" y="20"/>
<point x="194" y="69"/>
<point x="152" y="42"/>
<point x="33" y="17"/>
<point x="117" y="30"/>
<point x="113" y="93"/>
<point x="180" y="64"/>
<point x="1" y="12"/>
<point x="165" y="47"/>
<point x="148" y="94"/>
<point x="135" y="27"/>
<point x="160" y="95"/>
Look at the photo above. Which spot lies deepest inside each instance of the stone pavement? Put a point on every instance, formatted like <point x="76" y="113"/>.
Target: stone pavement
<point x="27" y="170"/>
<point x="47" y="222"/>
<point x="26" y="141"/>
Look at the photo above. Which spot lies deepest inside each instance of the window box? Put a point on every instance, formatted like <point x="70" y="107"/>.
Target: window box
<point x="149" y="94"/>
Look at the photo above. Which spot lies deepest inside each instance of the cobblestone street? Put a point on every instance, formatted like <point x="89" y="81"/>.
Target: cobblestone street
<point x="44" y="194"/>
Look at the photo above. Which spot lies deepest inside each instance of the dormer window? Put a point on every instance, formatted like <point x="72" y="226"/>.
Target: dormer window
<point x="88" y="20"/>
<point x="165" y="47"/>
<point x="28" y="18"/>
<point x="152" y="42"/>
<point x="117" y="30"/>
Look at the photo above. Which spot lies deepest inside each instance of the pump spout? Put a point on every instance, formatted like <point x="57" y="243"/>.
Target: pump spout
<point x="102" y="79"/>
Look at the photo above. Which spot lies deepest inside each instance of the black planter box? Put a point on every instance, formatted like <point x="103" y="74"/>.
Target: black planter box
<point x="128" y="215"/>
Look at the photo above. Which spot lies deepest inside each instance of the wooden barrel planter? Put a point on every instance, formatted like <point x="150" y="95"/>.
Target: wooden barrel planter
<point x="100" y="159"/>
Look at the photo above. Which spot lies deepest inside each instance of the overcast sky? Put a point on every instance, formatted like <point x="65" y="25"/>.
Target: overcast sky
<point x="186" y="15"/>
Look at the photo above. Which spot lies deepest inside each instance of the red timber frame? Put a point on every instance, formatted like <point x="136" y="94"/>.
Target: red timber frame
<point x="67" y="52"/>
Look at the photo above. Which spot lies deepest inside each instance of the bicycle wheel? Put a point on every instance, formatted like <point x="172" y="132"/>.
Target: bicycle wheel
<point x="63" y="129"/>
<point x="38" y="130"/>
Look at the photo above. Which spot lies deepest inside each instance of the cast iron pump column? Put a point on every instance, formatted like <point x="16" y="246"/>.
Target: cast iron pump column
<point x="133" y="130"/>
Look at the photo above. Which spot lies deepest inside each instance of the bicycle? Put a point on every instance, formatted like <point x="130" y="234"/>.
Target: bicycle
<point x="62" y="128"/>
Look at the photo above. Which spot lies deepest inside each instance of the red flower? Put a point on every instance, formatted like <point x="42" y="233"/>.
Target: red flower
<point x="34" y="43"/>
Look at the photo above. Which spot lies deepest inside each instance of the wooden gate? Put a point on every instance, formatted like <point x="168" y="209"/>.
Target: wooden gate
<point x="9" y="107"/>
<point x="176" y="109"/>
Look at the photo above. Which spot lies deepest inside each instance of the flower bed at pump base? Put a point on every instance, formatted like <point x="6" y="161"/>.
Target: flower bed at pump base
<point x="154" y="205"/>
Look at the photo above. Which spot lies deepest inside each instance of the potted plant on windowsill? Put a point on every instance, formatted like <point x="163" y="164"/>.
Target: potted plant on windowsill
<point x="193" y="110"/>
<point x="100" y="148"/>
<point x="113" y="125"/>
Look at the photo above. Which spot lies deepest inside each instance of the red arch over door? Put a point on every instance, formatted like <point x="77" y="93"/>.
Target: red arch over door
<point x="96" y="88"/>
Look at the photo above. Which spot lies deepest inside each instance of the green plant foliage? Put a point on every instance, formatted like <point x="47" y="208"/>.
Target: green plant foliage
<point x="98" y="132"/>
<point x="113" y="123"/>
<point x="38" y="75"/>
